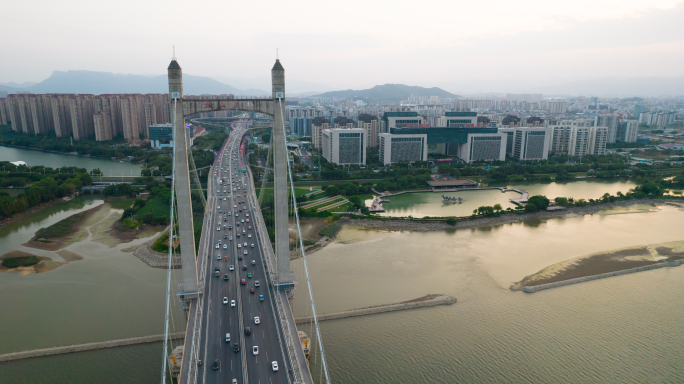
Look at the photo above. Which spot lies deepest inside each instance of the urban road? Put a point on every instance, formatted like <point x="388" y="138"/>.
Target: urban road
<point x="232" y="217"/>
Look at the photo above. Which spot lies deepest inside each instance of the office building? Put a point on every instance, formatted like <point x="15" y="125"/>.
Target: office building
<point x="344" y="146"/>
<point x="161" y="136"/>
<point x="530" y="143"/>
<point x="483" y="147"/>
<point x="402" y="148"/>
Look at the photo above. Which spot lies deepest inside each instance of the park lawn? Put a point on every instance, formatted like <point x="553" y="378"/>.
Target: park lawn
<point x="324" y="204"/>
<point x="341" y="208"/>
<point x="156" y="206"/>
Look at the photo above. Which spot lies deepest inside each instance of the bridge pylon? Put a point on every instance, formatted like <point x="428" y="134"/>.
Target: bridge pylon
<point x="189" y="288"/>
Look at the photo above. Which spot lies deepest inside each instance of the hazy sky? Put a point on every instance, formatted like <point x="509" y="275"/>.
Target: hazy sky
<point x="462" y="46"/>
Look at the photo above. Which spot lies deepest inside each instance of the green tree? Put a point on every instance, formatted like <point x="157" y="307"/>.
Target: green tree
<point x="540" y="202"/>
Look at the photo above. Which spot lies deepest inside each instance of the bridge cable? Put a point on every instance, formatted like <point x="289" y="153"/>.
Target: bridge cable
<point x="168" y="274"/>
<point x="301" y="245"/>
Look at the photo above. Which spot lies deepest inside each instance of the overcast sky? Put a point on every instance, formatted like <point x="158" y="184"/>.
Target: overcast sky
<point x="461" y="46"/>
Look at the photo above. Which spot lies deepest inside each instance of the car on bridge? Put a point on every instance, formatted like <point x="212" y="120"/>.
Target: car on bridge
<point x="249" y="275"/>
<point x="236" y="348"/>
<point x="232" y="303"/>
<point x="245" y="252"/>
<point x="232" y="268"/>
<point x="257" y="320"/>
<point x="274" y="366"/>
<point x="255" y="350"/>
<point x="225" y="299"/>
<point x="230" y="238"/>
<point x="243" y="282"/>
<point x="218" y="257"/>
<point x="216" y="364"/>
<point x="261" y="297"/>
<point x="217" y="246"/>
<point x="256" y="283"/>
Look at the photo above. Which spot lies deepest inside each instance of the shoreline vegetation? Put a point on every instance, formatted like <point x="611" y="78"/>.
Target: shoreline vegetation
<point x="439" y="224"/>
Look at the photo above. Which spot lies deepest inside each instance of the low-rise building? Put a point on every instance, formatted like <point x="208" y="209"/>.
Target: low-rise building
<point x="161" y="136"/>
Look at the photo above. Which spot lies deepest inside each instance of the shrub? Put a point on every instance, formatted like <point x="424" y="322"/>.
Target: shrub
<point x="21" y="261"/>
<point x="451" y="221"/>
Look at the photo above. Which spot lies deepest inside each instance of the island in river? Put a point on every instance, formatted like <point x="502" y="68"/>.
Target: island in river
<point x="604" y="263"/>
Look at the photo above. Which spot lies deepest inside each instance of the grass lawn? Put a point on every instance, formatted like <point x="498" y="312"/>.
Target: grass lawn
<point x="156" y="206"/>
<point x="341" y="208"/>
<point x="60" y="228"/>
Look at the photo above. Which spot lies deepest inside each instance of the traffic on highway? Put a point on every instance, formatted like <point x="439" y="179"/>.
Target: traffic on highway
<point x="241" y="339"/>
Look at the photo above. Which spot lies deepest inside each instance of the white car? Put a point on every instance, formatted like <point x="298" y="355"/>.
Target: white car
<point x="232" y="268"/>
<point x="252" y="245"/>
<point x="225" y="246"/>
<point x="224" y="199"/>
<point x="218" y="257"/>
<point x="217" y="246"/>
<point x="218" y="228"/>
<point x="255" y="350"/>
<point x="225" y="300"/>
<point x="249" y="235"/>
<point x="245" y="243"/>
<point x="232" y="303"/>
<point x="274" y="365"/>
<point x="245" y="252"/>
<point x="256" y="320"/>
<point x="239" y="245"/>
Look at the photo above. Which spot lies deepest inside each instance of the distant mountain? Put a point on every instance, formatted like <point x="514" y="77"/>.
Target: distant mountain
<point x="610" y="86"/>
<point x="89" y="82"/>
<point x="293" y="87"/>
<point x="16" y="85"/>
<point x="389" y="92"/>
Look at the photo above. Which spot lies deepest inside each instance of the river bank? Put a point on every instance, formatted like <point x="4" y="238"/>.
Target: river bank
<point x="18" y="216"/>
<point x="507" y="218"/>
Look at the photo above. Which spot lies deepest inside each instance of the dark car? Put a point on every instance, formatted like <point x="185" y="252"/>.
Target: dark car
<point x="248" y="331"/>
<point x="244" y="267"/>
<point x="236" y="348"/>
<point x="216" y="364"/>
<point x="251" y="290"/>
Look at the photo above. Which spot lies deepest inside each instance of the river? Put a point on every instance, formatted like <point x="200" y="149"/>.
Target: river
<point x="109" y="295"/>
<point x="430" y="203"/>
<point x="56" y="160"/>
<point x="618" y="330"/>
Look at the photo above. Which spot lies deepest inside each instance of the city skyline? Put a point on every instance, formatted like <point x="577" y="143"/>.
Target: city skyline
<point x="509" y="48"/>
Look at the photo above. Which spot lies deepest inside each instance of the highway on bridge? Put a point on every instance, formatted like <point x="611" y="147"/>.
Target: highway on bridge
<point x="242" y="278"/>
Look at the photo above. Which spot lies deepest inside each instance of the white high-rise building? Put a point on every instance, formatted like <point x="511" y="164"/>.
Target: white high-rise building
<point x="483" y="147"/>
<point x="344" y="146"/>
<point x="531" y="143"/>
<point x="397" y="148"/>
